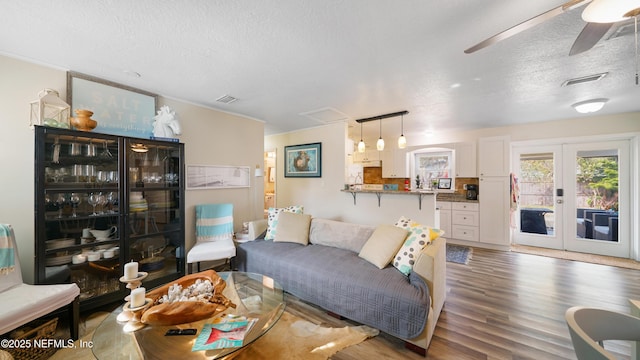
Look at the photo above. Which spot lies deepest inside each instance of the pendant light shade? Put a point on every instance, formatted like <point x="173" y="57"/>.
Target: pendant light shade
<point x="402" y="141"/>
<point x="380" y="143"/>
<point x="361" y="146"/>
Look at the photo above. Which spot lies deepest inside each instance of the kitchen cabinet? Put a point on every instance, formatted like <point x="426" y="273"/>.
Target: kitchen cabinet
<point x="131" y="189"/>
<point x="493" y="158"/>
<point x="460" y="220"/>
<point x="465" y="221"/>
<point x="394" y="163"/>
<point x="465" y="159"/>
<point x="445" y="217"/>
<point x="494" y="210"/>
<point x="368" y="155"/>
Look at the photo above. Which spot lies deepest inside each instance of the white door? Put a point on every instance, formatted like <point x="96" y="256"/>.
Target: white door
<point x="574" y="197"/>
<point x="537" y="218"/>
<point x="597" y="181"/>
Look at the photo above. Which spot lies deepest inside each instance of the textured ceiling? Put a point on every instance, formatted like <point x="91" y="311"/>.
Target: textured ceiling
<point x="300" y="63"/>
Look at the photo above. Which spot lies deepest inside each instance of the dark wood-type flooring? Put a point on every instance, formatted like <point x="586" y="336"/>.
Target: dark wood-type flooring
<point x="506" y="305"/>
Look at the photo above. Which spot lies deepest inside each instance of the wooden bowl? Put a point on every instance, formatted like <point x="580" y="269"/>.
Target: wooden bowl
<point x="186" y="311"/>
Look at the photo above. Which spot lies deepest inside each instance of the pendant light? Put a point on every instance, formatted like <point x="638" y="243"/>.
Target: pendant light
<point x="402" y="141"/>
<point x="380" y="143"/>
<point x="361" y="146"/>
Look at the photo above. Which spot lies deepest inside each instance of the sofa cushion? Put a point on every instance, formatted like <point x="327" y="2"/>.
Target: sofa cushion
<point x="419" y="237"/>
<point x="340" y="281"/>
<point x="339" y="234"/>
<point x="383" y="245"/>
<point x="293" y="227"/>
<point x="272" y="219"/>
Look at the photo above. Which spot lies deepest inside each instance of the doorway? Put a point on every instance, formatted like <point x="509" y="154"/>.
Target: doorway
<point x="574" y="197"/>
<point x="269" y="180"/>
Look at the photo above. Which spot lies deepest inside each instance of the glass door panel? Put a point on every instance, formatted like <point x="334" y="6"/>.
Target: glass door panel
<point x="574" y="197"/>
<point x="538" y="215"/>
<point x="599" y="188"/>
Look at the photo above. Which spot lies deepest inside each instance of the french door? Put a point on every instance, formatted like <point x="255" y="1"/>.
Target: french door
<point x="574" y="197"/>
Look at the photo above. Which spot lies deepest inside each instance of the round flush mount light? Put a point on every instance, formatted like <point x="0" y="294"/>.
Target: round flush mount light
<point x="589" y="106"/>
<point x="610" y="11"/>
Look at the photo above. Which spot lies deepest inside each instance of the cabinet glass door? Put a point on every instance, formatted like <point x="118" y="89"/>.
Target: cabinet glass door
<point x="154" y="207"/>
<point x="79" y="208"/>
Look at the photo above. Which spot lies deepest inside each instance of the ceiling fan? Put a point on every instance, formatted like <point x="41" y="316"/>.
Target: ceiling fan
<point x="600" y="16"/>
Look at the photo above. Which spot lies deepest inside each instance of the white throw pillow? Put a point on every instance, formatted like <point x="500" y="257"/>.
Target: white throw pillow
<point x="272" y="219"/>
<point x="383" y="245"/>
<point x="293" y="228"/>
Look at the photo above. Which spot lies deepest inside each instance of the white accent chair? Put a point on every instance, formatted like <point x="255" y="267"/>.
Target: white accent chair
<point x="21" y="303"/>
<point x="214" y="235"/>
<point x="589" y="327"/>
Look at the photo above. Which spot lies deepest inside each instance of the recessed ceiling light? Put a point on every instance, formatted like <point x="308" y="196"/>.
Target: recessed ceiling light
<point x="589" y="106"/>
<point x="455" y="85"/>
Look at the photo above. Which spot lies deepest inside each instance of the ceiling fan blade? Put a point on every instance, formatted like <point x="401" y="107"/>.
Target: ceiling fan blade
<point x="526" y="25"/>
<point x="589" y="37"/>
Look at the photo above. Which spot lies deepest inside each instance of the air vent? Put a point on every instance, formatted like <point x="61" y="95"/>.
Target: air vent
<point x="227" y="99"/>
<point x="584" y="79"/>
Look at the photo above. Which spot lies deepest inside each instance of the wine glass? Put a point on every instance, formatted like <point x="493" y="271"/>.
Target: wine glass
<point x="102" y="201"/>
<point x="112" y="199"/>
<point x="74" y="199"/>
<point x="60" y="201"/>
<point x="93" y="200"/>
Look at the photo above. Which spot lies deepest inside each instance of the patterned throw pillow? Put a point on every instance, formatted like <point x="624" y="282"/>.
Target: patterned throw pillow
<point x="272" y="219"/>
<point x="419" y="237"/>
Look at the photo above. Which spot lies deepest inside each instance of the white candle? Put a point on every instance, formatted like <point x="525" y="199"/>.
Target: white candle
<point x="137" y="297"/>
<point x="130" y="270"/>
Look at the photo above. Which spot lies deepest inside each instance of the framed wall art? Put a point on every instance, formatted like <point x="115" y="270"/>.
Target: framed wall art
<point x="217" y="177"/>
<point x="303" y="160"/>
<point x="118" y="109"/>
<point x="444" y="183"/>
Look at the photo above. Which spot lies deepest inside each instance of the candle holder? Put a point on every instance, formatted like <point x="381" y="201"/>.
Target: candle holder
<point x="134" y="323"/>
<point x="134" y="283"/>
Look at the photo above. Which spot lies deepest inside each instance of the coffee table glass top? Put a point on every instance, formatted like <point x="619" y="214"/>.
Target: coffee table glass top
<point x="255" y="296"/>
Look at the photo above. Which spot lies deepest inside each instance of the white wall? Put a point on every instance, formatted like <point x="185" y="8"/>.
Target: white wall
<point x="211" y="137"/>
<point x="322" y="198"/>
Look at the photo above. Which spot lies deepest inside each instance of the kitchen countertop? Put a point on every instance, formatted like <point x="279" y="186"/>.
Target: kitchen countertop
<point x="454" y="197"/>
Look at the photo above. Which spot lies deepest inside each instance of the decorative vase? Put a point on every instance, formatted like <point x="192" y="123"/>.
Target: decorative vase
<point x="83" y="120"/>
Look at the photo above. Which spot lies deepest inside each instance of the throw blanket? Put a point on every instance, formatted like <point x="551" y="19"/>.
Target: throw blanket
<point x="214" y="222"/>
<point x="7" y="258"/>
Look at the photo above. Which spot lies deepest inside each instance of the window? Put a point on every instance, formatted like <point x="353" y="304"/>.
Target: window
<point x="430" y="164"/>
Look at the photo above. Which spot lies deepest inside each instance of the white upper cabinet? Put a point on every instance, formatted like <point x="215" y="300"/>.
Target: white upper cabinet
<point x="368" y="155"/>
<point x="493" y="156"/>
<point x="465" y="154"/>
<point x="394" y="163"/>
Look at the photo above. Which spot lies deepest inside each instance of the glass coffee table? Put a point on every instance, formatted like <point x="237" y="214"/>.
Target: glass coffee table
<point x="255" y="296"/>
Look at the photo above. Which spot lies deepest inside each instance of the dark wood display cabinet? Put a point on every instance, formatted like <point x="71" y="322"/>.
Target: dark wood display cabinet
<point x="104" y="200"/>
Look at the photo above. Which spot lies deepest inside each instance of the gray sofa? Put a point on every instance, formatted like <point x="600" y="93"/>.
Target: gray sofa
<point x="329" y="273"/>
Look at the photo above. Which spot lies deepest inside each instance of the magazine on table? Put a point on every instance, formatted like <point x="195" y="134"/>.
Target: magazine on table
<point x="224" y="332"/>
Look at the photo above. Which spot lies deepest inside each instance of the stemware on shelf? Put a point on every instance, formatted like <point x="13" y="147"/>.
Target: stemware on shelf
<point x="74" y="199"/>
<point x="93" y="201"/>
<point x="60" y="201"/>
